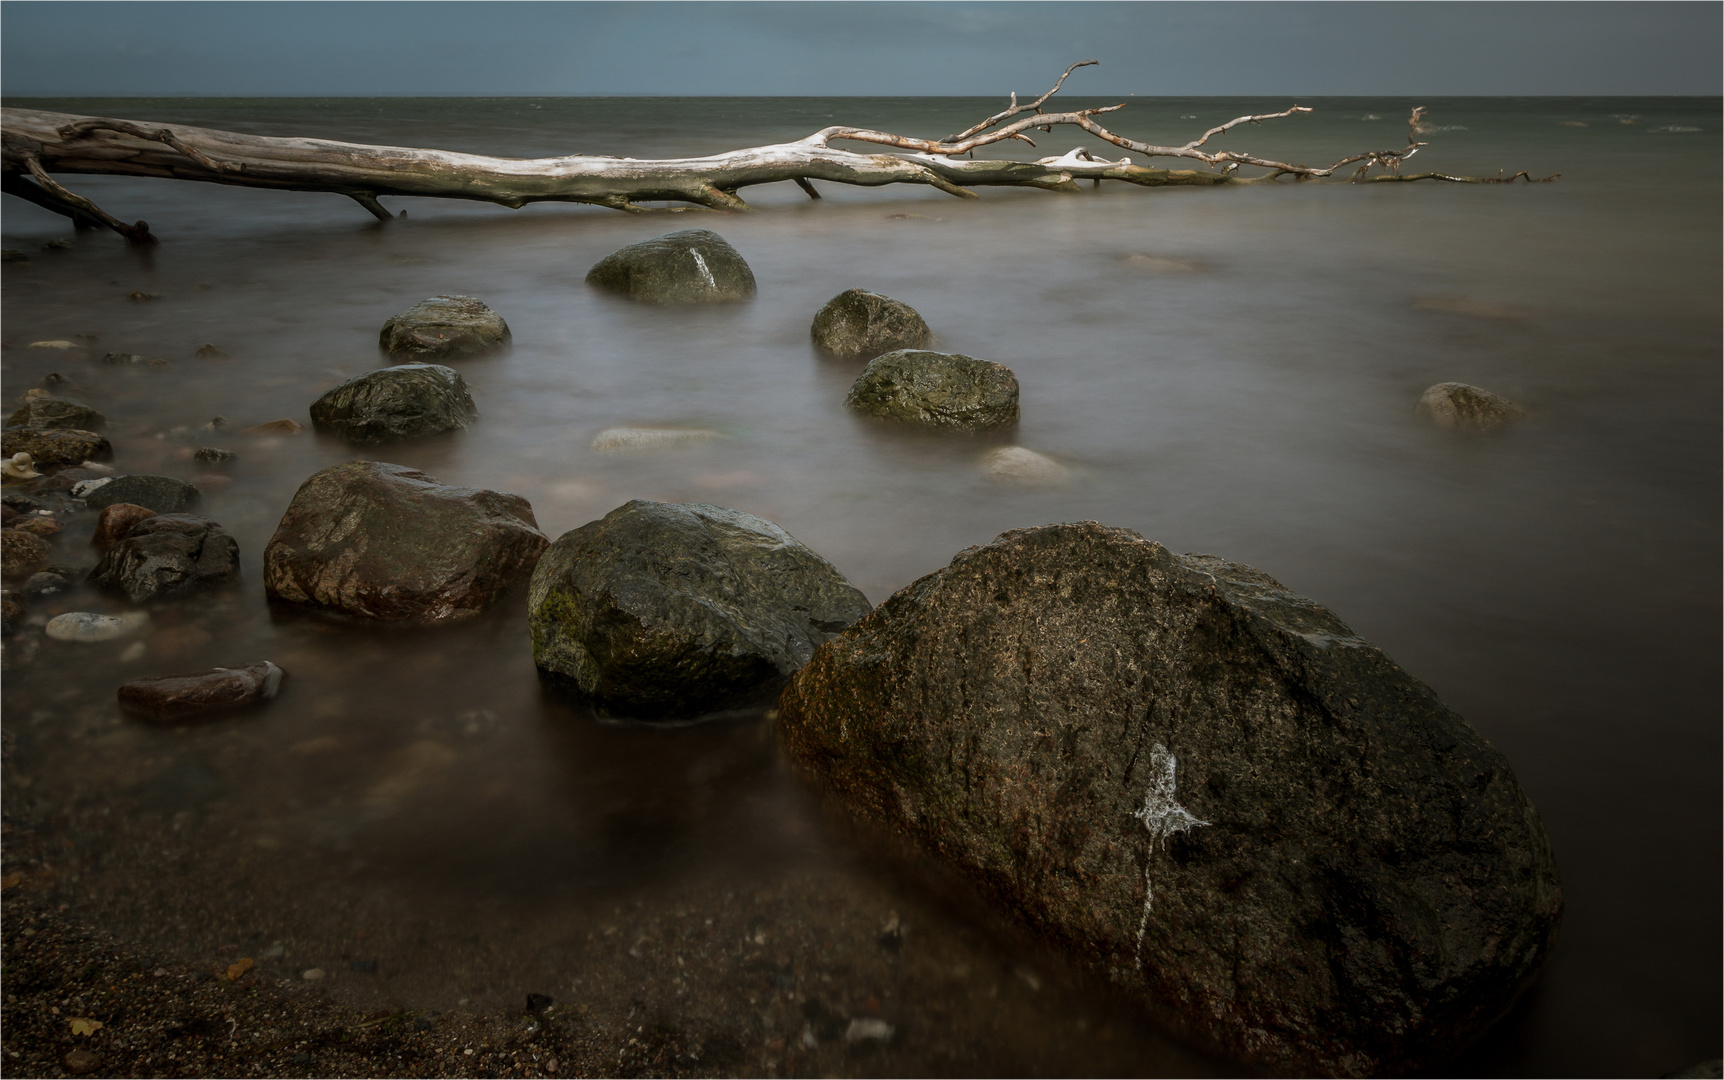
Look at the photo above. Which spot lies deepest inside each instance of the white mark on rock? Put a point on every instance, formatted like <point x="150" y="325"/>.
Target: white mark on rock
<point x="704" y="272"/>
<point x="1162" y="815"/>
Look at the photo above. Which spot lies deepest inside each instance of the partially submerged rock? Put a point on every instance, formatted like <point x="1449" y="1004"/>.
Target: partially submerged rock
<point x="1021" y="465"/>
<point x="394" y="403"/>
<point x="636" y="438"/>
<point x="42" y="410"/>
<point x="88" y="627"/>
<point x="167" y="699"/>
<point x="675" y="609"/>
<point x="163" y="494"/>
<point x="1207" y="788"/>
<point x="444" y="328"/>
<point x="21" y="553"/>
<point x="168" y="555"/>
<point x="937" y="390"/>
<point x="859" y="323"/>
<point x="55" y="446"/>
<point x="691" y="266"/>
<point x="116" y="521"/>
<point x="1458" y="405"/>
<point x="382" y="541"/>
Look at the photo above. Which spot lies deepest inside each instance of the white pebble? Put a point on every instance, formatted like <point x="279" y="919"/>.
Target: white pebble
<point x="87" y="626"/>
<point x="83" y="488"/>
<point x="311" y="974"/>
<point x="20" y="466"/>
<point x="650" y="438"/>
<point x="98" y="467"/>
<point x="1015" y="464"/>
<point x="866" y="1027"/>
<point x="55" y="344"/>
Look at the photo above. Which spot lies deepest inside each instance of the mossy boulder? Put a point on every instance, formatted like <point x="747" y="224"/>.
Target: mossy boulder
<point x="55" y="446"/>
<point x="1207" y="788"/>
<point x="393" y="403"/>
<point x="1458" y="405"/>
<point x="859" y="323"/>
<point x="444" y="328"/>
<point x="673" y="610"/>
<point x="42" y="410"/>
<point x="380" y="541"/>
<point x="691" y="266"/>
<point x="936" y="390"/>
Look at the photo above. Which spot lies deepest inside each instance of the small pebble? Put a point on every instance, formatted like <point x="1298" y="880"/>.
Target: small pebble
<point x="311" y="974"/>
<point x="650" y="438"/>
<point x="83" y="488"/>
<point x="1017" y="464"/>
<point x="87" y="626"/>
<point x="867" y="1027"/>
<point x="132" y="653"/>
<point x="55" y="344"/>
<point x="20" y="466"/>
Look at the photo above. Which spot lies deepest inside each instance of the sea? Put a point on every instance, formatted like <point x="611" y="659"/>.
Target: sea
<point x="1224" y="370"/>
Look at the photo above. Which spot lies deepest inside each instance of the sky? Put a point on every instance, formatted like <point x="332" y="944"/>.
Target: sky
<point x="986" y="48"/>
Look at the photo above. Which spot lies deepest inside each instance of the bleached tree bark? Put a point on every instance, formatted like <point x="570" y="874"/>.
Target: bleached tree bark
<point x="34" y="145"/>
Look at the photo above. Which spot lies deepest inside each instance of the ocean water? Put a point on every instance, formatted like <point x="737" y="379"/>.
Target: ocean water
<point x="1226" y="371"/>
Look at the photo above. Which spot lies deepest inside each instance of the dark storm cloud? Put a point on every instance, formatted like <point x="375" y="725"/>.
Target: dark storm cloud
<point x="53" y="48"/>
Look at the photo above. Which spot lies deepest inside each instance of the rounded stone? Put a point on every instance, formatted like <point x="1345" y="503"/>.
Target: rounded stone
<point x="405" y="402"/>
<point x="163" y="494"/>
<point x="1459" y="405"/>
<point x="115" y="521"/>
<point x="937" y="390"/>
<point x="444" y="328"/>
<point x="859" y="323"/>
<point x="1020" y="465"/>
<point x="678" y="609"/>
<point x="21" y="553"/>
<point x="691" y="266"/>
<point x="87" y="627"/>
<point x="55" y="446"/>
<point x="46" y="411"/>
<point x="166" y="699"/>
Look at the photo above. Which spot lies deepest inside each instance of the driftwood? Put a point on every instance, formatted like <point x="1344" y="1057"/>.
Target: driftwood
<point x="36" y="144"/>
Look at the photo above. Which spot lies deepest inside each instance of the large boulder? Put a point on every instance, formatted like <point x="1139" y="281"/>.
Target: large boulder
<point x="936" y="390"/>
<point x="394" y="403"/>
<point x="444" y="328"/>
<point x="676" y="609"/>
<point x="1459" y="405"/>
<point x="44" y="410"/>
<point x="1207" y="788"/>
<point x="163" y="494"/>
<point x="383" y="541"/>
<point x="168" y="555"/>
<point x="690" y="266"/>
<point x="55" y="446"/>
<point x="859" y="323"/>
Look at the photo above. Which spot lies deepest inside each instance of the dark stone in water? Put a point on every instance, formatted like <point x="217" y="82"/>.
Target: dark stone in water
<point x="166" y="699"/>
<point x="675" y="609"/>
<point x="55" y="446"/>
<point x="396" y="403"/>
<point x="116" y="521"/>
<point x="1458" y="405"/>
<point x="168" y="555"/>
<point x="539" y="1002"/>
<point x="1206" y="787"/>
<point x="864" y="324"/>
<point x="21" y="553"/>
<point x="691" y="266"/>
<point x="47" y="411"/>
<point x="47" y="583"/>
<point x="936" y="390"/>
<point x="163" y="494"/>
<point x="213" y="455"/>
<point x="444" y="328"/>
<point x="408" y="550"/>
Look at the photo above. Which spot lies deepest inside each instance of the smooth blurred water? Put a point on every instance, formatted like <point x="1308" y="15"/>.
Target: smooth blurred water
<point x="1227" y="371"/>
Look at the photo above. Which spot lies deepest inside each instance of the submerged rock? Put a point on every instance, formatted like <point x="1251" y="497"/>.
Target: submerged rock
<point x="163" y="494"/>
<point x="41" y="410"/>
<point x="21" y="553"/>
<point x="615" y="439"/>
<point x="444" y="328"/>
<point x="1020" y="465"/>
<point x="1206" y="787"/>
<point x="1458" y="405"/>
<point x="168" y="555"/>
<point x="87" y="627"/>
<point x="55" y="446"/>
<point x="682" y="608"/>
<point x="172" y="698"/>
<point x="691" y="266"/>
<point x="393" y="403"/>
<point x="383" y="541"/>
<point x="864" y="324"/>
<point x="938" y="390"/>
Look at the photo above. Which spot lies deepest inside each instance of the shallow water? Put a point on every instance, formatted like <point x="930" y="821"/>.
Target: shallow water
<point x="1226" y="371"/>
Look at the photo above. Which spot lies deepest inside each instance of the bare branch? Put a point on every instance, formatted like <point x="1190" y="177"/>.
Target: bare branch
<point x="1015" y="108"/>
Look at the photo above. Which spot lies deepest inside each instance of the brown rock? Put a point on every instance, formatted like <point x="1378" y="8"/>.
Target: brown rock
<point x="38" y="525"/>
<point x="55" y="446"/>
<point x="21" y="554"/>
<point x="81" y="1061"/>
<point x="382" y="541"/>
<point x="168" y="555"/>
<point x="116" y="521"/>
<point x="166" y="699"/>
<point x="283" y="426"/>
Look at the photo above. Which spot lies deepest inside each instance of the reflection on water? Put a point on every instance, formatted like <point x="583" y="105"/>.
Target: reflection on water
<point x="1224" y="371"/>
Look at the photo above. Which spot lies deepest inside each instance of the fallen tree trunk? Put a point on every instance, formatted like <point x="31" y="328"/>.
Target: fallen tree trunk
<point x="35" y="144"/>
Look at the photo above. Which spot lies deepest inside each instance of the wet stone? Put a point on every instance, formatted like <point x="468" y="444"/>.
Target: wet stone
<point x="948" y="391"/>
<point x="55" y="446"/>
<point x="393" y="403"/>
<point x="21" y="553"/>
<point x="165" y="699"/>
<point x="38" y="525"/>
<point x="1020" y="465"/>
<point x="168" y="555"/>
<point x="863" y="324"/>
<point x="163" y="494"/>
<point x="444" y="328"/>
<point x="115" y="521"/>
<point x="45" y="583"/>
<point x="284" y="426"/>
<point x="88" y="627"/>
<point x="213" y="455"/>
<point x="1458" y="405"/>
<point x="12" y="612"/>
<point x="663" y="609"/>
<point x="46" y="411"/>
<point x="691" y="266"/>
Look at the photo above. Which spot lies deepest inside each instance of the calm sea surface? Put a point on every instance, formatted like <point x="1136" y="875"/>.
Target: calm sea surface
<point x="1225" y="371"/>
